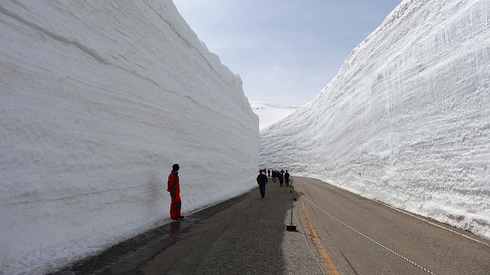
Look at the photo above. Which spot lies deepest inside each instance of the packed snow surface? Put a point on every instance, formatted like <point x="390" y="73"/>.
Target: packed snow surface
<point x="407" y="119"/>
<point x="97" y="100"/>
<point x="270" y="112"/>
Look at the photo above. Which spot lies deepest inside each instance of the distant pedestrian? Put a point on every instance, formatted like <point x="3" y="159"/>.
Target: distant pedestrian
<point x="174" y="189"/>
<point x="286" y="177"/>
<point x="281" y="178"/>
<point x="262" y="181"/>
<point x="269" y="173"/>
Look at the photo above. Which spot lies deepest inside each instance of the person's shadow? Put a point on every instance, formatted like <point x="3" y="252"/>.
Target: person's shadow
<point x="155" y="194"/>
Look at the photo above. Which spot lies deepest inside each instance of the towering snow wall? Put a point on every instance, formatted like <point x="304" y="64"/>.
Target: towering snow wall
<point x="97" y="100"/>
<point x="407" y="119"/>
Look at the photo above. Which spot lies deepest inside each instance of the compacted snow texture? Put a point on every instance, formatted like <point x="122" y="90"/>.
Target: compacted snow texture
<point x="97" y="100"/>
<point x="407" y="119"/>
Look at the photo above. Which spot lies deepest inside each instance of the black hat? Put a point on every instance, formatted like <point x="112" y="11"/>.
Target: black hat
<point x="175" y="167"/>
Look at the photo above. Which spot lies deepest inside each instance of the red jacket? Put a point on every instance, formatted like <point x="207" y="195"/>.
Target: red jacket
<point x="173" y="183"/>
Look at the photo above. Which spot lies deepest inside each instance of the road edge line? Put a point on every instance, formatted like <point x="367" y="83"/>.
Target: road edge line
<point x="327" y="262"/>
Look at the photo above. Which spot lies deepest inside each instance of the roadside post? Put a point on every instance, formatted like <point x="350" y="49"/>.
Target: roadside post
<point x="291" y="226"/>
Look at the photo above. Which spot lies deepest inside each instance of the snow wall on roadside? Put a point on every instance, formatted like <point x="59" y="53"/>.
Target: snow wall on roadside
<point x="407" y="119"/>
<point x="97" y="100"/>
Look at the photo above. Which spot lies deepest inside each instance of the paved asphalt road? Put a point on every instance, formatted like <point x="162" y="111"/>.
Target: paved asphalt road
<point x="366" y="237"/>
<point x="337" y="233"/>
<point x="244" y="235"/>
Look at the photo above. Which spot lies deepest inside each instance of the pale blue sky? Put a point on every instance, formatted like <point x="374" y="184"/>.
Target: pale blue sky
<point x="285" y="51"/>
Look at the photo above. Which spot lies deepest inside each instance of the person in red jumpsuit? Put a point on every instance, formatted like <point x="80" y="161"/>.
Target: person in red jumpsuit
<point x="174" y="189"/>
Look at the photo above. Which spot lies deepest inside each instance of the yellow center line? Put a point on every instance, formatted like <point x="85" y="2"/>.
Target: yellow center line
<point x="326" y="261"/>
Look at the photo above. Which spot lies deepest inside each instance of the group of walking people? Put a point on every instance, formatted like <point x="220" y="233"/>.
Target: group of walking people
<point x="282" y="176"/>
<point x="262" y="178"/>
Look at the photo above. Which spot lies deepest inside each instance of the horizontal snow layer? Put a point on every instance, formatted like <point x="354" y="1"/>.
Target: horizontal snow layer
<point x="407" y="119"/>
<point x="97" y="100"/>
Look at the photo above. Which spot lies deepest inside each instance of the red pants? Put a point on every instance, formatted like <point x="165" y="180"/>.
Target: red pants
<point x="175" y="207"/>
